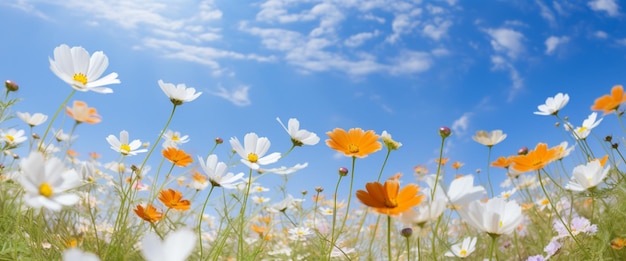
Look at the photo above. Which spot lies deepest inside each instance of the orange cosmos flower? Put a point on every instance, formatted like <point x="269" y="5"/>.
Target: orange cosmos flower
<point x="443" y="161"/>
<point x="82" y="113"/>
<point x="502" y="162"/>
<point x="388" y="199"/>
<point x="535" y="159"/>
<point x="457" y="165"/>
<point x="610" y="103"/>
<point x="149" y="213"/>
<point x="174" y="199"/>
<point x="420" y="169"/>
<point x="177" y="156"/>
<point x="618" y="243"/>
<point x="354" y="143"/>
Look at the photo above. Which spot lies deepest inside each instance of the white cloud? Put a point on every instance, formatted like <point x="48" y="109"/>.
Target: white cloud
<point x="501" y="64"/>
<point x="601" y="34"/>
<point x="553" y="42"/>
<point x="402" y="24"/>
<point x="608" y="6"/>
<point x="507" y="40"/>
<point x="438" y="30"/>
<point x="372" y="17"/>
<point x="461" y="124"/>
<point x="360" y="38"/>
<point x="410" y="62"/>
<point x="238" y="96"/>
<point x="438" y="52"/>
<point x="546" y="13"/>
<point x="621" y="41"/>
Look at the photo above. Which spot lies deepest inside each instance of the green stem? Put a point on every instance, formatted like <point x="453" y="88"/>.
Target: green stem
<point x="384" y="163"/>
<point x="200" y="220"/>
<point x="432" y="194"/>
<point x="242" y="218"/>
<point x="54" y="117"/>
<point x="332" y="231"/>
<point x="488" y="171"/>
<point x="389" y="237"/>
<point x="494" y="238"/>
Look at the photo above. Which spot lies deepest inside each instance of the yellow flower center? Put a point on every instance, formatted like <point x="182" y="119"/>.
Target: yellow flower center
<point x="45" y="190"/>
<point x="175" y="138"/>
<point x="353" y="148"/>
<point x="463" y="253"/>
<point x="545" y="202"/>
<point x="501" y="223"/>
<point x="81" y="78"/>
<point x="252" y="157"/>
<point x="10" y="138"/>
<point x="125" y="149"/>
<point x="583" y="128"/>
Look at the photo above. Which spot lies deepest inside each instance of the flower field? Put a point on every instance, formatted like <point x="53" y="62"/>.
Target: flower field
<point x="54" y="206"/>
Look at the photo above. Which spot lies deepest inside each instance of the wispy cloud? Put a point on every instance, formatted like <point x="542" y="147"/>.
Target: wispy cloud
<point x="507" y="41"/>
<point x="460" y="125"/>
<point x="553" y="42"/>
<point x="238" y="96"/>
<point x="546" y="13"/>
<point x="608" y="6"/>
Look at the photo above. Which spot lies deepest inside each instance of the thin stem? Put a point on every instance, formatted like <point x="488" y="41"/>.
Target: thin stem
<point x="488" y="170"/>
<point x="389" y="237"/>
<point x="242" y="213"/>
<point x="345" y="217"/>
<point x="384" y="163"/>
<point x="432" y="194"/>
<point x="54" y="117"/>
<point x="332" y="231"/>
<point x="200" y="219"/>
<point x="494" y="238"/>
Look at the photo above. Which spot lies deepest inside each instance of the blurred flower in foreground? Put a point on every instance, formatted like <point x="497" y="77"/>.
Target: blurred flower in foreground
<point x="82" y="113"/>
<point x="179" y="94"/>
<point x="553" y="104"/>
<point x="122" y="146"/>
<point x="174" y="199"/>
<point x="535" y="159"/>
<point x="354" y="143"/>
<point x="177" y="156"/>
<point x="585" y="177"/>
<point x="388" y="199"/>
<point x="462" y="249"/>
<point x="299" y="136"/>
<point x="253" y="155"/>
<point x="75" y="67"/>
<point x="176" y="246"/>
<point x="173" y="139"/>
<point x="75" y="254"/>
<point x="495" y="217"/>
<point x="32" y="120"/>
<point x="45" y="182"/>
<point x="610" y="103"/>
<point x="489" y="138"/>
<point x="389" y="142"/>
<point x="149" y="213"/>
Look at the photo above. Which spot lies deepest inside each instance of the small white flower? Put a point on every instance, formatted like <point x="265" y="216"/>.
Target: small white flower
<point x="179" y="93"/>
<point x="460" y="193"/>
<point x="216" y="171"/>
<point x="299" y="233"/>
<point x="46" y="181"/>
<point x="489" y="138"/>
<point x="173" y="139"/>
<point x="285" y="170"/>
<point x="389" y="142"/>
<point x="122" y="145"/>
<point x="75" y="67"/>
<point x="496" y="216"/>
<point x="260" y="200"/>
<point x="553" y="104"/>
<point x="587" y="176"/>
<point x="253" y="154"/>
<point x="75" y="254"/>
<point x="12" y="137"/>
<point x="32" y="120"/>
<point x="299" y="136"/>
<point x="176" y="246"/>
<point x="581" y="133"/>
<point x="288" y="202"/>
<point x="462" y="249"/>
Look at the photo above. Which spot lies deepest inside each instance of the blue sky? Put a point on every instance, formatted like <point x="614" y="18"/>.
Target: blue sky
<point x="407" y="67"/>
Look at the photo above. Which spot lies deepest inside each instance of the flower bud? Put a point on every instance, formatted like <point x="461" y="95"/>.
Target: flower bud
<point x="11" y="86"/>
<point x="319" y="189"/>
<point x="445" y="132"/>
<point x="406" y="232"/>
<point x="608" y="138"/>
<point x="522" y="151"/>
<point x="219" y="140"/>
<point x="304" y="192"/>
<point x="343" y="171"/>
<point x="615" y="145"/>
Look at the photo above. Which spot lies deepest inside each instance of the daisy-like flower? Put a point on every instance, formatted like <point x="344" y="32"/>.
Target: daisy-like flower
<point x="502" y="162"/>
<point x="12" y="137"/>
<point x="285" y="170"/>
<point x="260" y="200"/>
<point x="610" y="103"/>
<point x="535" y="159"/>
<point x="83" y="113"/>
<point x="585" y="177"/>
<point x="581" y="133"/>
<point x="288" y="202"/>
<point x="173" y="139"/>
<point x="354" y="143"/>
<point x="389" y="142"/>
<point x="495" y="217"/>
<point x="174" y="199"/>
<point x="149" y="213"/>
<point x="462" y="249"/>
<point x="32" y="120"/>
<point x="489" y="138"/>
<point x="216" y="171"/>
<point x="299" y="136"/>
<point x="75" y="254"/>
<point x="577" y="225"/>
<point x="253" y="154"/>
<point x="47" y="181"/>
<point x="176" y="246"/>
<point x="553" y="104"/>
<point x="457" y="165"/>
<point x="81" y="71"/>
<point x="122" y="145"/>
<point x="179" y="93"/>
<point x="388" y="199"/>
<point x="425" y="213"/>
<point x="299" y="233"/>
<point x="177" y="156"/>
<point x="460" y="193"/>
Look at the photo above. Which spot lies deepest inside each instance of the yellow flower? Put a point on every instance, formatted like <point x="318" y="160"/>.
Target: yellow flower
<point x="174" y="199"/>
<point x="610" y="103"/>
<point x="388" y="199"/>
<point x="177" y="156"/>
<point x="354" y="143"/>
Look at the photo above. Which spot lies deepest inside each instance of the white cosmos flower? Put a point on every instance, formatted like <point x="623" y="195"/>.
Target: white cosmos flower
<point x="12" y="136"/>
<point x="176" y="246"/>
<point x="489" y="138"/>
<point x="299" y="136"/>
<point x="122" y="145"/>
<point x="253" y="154"/>
<point x="75" y="67"/>
<point x="173" y="139"/>
<point x="285" y="170"/>
<point x="288" y="202"/>
<point x="179" y="93"/>
<point x="553" y="104"/>
<point x="587" y="176"/>
<point x="75" y="254"/>
<point x="460" y="193"/>
<point x="581" y="133"/>
<point x="32" y="120"/>
<point x="463" y="249"/>
<point x="46" y="181"/>
<point x="495" y="217"/>
<point x="564" y="151"/>
<point x="425" y="213"/>
<point x="389" y="142"/>
<point x="216" y="171"/>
